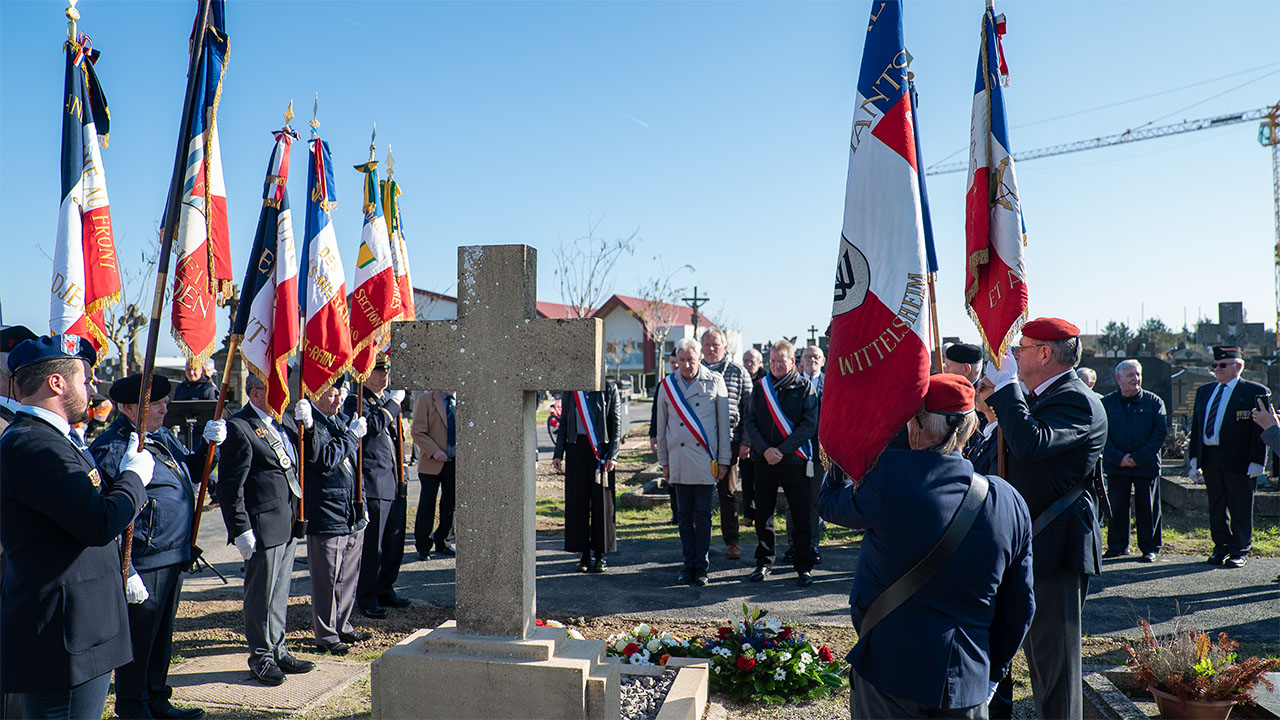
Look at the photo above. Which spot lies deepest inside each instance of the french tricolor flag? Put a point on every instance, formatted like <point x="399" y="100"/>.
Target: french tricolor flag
<point x="326" y="348"/>
<point x="375" y="302"/>
<point x="878" y="369"/>
<point x="995" y="236"/>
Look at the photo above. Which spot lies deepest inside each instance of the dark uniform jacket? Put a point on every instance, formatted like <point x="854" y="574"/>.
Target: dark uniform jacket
<point x="380" y="444"/>
<point x="330" y="486"/>
<point x="1136" y="426"/>
<point x="942" y="646"/>
<point x="737" y="382"/>
<point x="62" y="608"/>
<point x="198" y="390"/>
<point x="604" y="415"/>
<point x="253" y="486"/>
<point x="162" y="530"/>
<point x="1053" y="444"/>
<point x="799" y="404"/>
<point x="1239" y="438"/>
<point x="982" y="453"/>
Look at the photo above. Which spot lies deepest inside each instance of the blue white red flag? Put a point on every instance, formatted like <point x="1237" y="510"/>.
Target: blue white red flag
<point x="399" y="249"/>
<point x="267" y="317"/>
<point x="326" y="345"/>
<point x="690" y="419"/>
<point x="995" y="236"/>
<point x="375" y="301"/>
<point x="203" y="276"/>
<point x="86" y="275"/>
<point x="879" y="359"/>
<point x="780" y="420"/>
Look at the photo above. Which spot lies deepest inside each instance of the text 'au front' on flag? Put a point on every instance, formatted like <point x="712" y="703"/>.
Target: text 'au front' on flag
<point x="203" y="277"/>
<point x="86" y="273"/>
<point x="995" y="235"/>
<point x="375" y="301"/>
<point x="879" y="359"/>
<point x="326" y="344"/>
<point x="267" y="317"/>
<point x="399" y="249"/>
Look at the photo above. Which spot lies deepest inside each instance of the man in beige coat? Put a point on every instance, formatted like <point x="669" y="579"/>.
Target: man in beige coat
<point x="433" y="431"/>
<point x="694" y="450"/>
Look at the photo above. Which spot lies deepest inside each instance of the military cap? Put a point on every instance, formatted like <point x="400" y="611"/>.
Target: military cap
<point x="1222" y="352"/>
<point x="12" y="336"/>
<point x="50" y="347"/>
<point x="126" y="391"/>
<point x="382" y="363"/>
<point x="948" y="393"/>
<point x="1050" y="329"/>
<point x="963" y="353"/>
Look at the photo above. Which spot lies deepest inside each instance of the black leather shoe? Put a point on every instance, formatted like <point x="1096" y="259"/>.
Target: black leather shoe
<point x="1235" y="561"/>
<point x="1114" y="553"/>
<point x="421" y="555"/>
<point x="599" y="565"/>
<point x="817" y="558"/>
<point x="294" y="666"/>
<point x="338" y="648"/>
<point x="375" y="611"/>
<point x="789" y="555"/>
<point x="355" y="636"/>
<point x="761" y="572"/>
<point x="685" y="577"/>
<point x="164" y="709"/>
<point x="701" y="580"/>
<point x="445" y="549"/>
<point x="268" y="673"/>
<point x="391" y="599"/>
<point x="584" y="563"/>
<point x="804" y="579"/>
<point x="1147" y="557"/>
<point x="1216" y="558"/>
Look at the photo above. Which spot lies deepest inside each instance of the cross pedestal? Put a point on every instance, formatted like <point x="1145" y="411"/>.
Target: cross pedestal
<point x="494" y="663"/>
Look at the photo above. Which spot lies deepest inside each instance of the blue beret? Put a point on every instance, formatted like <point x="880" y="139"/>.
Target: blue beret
<point x="49" y="347"/>
<point x="126" y="391"/>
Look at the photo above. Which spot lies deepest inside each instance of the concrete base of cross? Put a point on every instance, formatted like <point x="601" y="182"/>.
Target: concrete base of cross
<point x="444" y="674"/>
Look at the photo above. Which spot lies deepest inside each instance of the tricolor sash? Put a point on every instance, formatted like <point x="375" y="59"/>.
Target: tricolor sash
<point x="584" y="415"/>
<point x="690" y="419"/>
<point x="781" y="421"/>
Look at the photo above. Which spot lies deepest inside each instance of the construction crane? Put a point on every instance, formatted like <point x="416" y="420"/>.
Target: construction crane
<point x="1268" y="136"/>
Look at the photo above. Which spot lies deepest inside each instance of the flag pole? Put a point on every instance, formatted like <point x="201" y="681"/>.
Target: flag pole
<point x="169" y="231"/>
<point x="937" y="333"/>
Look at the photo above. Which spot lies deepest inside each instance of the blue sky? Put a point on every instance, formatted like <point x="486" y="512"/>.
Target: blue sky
<point x="718" y="130"/>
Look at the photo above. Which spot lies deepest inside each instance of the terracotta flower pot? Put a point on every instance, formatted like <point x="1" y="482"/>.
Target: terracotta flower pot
<point x="1173" y="707"/>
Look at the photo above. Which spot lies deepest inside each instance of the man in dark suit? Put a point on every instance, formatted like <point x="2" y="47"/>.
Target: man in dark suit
<point x="381" y="457"/>
<point x="62" y="606"/>
<point x="259" y="492"/>
<point x="588" y="479"/>
<point x="1054" y="436"/>
<point x="960" y="630"/>
<point x="1227" y="448"/>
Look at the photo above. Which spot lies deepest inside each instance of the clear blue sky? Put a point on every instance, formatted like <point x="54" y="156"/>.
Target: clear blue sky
<point x="718" y="130"/>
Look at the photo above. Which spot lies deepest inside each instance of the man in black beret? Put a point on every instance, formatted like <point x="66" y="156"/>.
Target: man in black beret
<point x="1227" y="449"/>
<point x="10" y="337"/>
<point x="161" y="543"/>
<point x="963" y="359"/>
<point x="62" y="612"/>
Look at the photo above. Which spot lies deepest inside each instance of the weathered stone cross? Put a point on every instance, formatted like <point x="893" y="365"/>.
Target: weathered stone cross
<point x="496" y="355"/>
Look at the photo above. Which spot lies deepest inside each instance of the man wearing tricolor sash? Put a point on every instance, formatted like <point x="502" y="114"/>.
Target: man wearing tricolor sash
<point x="694" y="450"/>
<point x="780" y="428"/>
<point x="587" y="439"/>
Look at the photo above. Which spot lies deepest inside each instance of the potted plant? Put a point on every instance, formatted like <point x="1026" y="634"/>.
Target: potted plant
<point x="1193" y="677"/>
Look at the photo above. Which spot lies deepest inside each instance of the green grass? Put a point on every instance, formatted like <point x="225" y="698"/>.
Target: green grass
<point x="638" y="456"/>
<point x="1188" y="534"/>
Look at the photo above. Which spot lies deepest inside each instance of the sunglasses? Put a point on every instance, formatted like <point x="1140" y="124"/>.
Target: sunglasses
<point x="1222" y="365"/>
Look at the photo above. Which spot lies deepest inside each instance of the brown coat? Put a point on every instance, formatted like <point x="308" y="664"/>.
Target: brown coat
<point x="430" y="430"/>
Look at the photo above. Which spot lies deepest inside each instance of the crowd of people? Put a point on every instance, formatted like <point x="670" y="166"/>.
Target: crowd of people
<point x="999" y="480"/>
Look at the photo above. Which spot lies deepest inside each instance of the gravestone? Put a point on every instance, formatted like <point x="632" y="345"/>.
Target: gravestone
<point x="493" y="662"/>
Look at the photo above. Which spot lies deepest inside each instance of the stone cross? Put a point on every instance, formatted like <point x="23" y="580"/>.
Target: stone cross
<point x="496" y="354"/>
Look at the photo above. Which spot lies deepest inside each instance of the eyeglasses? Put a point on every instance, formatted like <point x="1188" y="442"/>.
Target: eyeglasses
<point x="1017" y="349"/>
<point x="1222" y="365"/>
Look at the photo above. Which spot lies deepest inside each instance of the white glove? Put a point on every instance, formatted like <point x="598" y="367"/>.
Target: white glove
<point x="396" y="396"/>
<point x="244" y="543"/>
<point x="215" y="432"/>
<point x="139" y="462"/>
<point x="1006" y="374"/>
<point x="1255" y="469"/>
<point x="1193" y="472"/>
<point x="135" y="591"/>
<point x="358" y="427"/>
<point x="302" y="413"/>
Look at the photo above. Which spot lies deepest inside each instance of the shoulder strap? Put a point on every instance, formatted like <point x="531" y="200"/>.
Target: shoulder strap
<point x="932" y="562"/>
<point x="1059" y="506"/>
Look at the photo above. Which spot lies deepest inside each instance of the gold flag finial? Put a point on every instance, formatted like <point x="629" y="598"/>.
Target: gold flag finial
<point x="288" y="114"/>
<point x="390" y="163"/>
<point x="372" y="142"/>
<point x="315" y="124"/>
<point x="72" y="16"/>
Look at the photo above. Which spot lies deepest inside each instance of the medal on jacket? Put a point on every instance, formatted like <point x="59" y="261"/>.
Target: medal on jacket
<point x="584" y="416"/>
<point x="690" y="419"/>
<point x="781" y="422"/>
<point x="95" y="477"/>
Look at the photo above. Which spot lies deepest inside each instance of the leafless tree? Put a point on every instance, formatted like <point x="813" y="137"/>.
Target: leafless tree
<point x="658" y="310"/>
<point x="125" y="321"/>
<point x="584" y="267"/>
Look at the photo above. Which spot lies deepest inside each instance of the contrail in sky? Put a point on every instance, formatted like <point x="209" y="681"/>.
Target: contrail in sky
<point x="639" y="122"/>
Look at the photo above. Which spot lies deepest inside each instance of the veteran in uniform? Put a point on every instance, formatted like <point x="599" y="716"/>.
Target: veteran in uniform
<point x="62" y="605"/>
<point x="10" y="337"/>
<point x="258" y="491"/>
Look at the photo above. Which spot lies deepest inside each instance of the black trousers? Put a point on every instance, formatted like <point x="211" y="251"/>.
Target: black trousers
<point x="747" y="478"/>
<point x="383" y="550"/>
<point x="1230" y="510"/>
<point x="588" y="503"/>
<point x="726" y="489"/>
<point x="797" y="488"/>
<point x="445" y="484"/>
<point x="1146" y="510"/>
<point x="144" y="682"/>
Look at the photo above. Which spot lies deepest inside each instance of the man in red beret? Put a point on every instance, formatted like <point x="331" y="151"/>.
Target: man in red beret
<point x="960" y="630"/>
<point x="1054" y="433"/>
